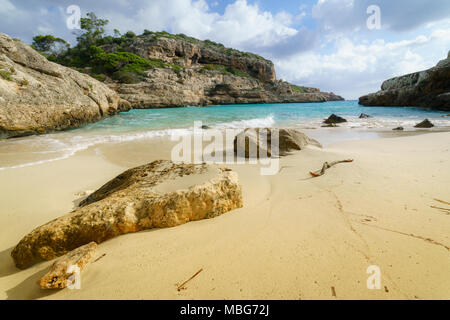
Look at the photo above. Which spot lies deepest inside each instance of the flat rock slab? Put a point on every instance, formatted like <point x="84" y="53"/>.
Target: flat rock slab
<point x="160" y="194"/>
<point x="58" y="275"/>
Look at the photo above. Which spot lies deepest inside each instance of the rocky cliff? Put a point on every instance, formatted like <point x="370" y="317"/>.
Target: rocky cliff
<point x="149" y="71"/>
<point x="38" y="96"/>
<point x="427" y="89"/>
<point x="205" y="73"/>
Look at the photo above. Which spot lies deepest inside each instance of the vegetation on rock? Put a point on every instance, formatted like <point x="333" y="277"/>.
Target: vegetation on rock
<point x="91" y="56"/>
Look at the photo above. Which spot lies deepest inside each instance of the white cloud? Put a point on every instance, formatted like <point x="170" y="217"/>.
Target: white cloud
<point x="340" y="55"/>
<point x="354" y="69"/>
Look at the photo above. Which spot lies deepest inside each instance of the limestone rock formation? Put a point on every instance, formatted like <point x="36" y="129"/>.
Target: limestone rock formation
<point x="38" y="96"/>
<point x="203" y="76"/>
<point x="58" y="276"/>
<point x="334" y="119"/>
<point x="160" y="194"/>
<point x="424" y="124"/>
<point x="253" y="143"/>
<point x="193" y="51"/>
<point x="165" y="88"/>
<point x="427" y="89"/>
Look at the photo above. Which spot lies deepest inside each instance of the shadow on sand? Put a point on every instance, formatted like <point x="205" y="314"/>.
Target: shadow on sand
<point x="28" y="289"/>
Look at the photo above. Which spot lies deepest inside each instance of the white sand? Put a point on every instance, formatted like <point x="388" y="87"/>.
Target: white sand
<point x="295" y="238"/>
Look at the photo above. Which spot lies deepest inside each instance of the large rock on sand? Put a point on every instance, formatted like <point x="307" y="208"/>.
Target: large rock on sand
<point x="38" y="96"/>
<point x="160" y="194"/>
<point x="251" y="142"/>
<point x="58" y="275"/>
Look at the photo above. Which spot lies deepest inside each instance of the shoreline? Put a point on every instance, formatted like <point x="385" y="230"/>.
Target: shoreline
<point x="309" y="234"/>
<point x="326" y="136"/>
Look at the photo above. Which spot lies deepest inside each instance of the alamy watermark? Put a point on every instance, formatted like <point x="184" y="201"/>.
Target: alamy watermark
<point x="73" y="21"/>
<point x="74" y="280"/>
<point x="374" y="20"/>
<point x="374" y="280"/>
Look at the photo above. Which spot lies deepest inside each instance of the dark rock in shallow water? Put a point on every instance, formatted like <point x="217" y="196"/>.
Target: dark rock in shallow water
<point x="364" y="116"/>
<point x="398" y="129"/>
<point x="424" y="124"/>
<point x="334" y="119"/>
<point x="205" y="127"/>
<point x="331" y="125"/>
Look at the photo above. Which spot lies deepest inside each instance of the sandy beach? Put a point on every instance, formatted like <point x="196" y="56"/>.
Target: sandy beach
<point x="295" y="238"/>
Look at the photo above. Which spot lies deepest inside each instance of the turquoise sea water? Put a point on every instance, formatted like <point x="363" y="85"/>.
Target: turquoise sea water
<point x="149" y="124"/>
<point x="258" y="115"/>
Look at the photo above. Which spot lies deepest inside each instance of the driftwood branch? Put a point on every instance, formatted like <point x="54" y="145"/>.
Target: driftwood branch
<point x="327" y="165"/>
<point x="442" y="201"/>
<point x="181" y="286"/>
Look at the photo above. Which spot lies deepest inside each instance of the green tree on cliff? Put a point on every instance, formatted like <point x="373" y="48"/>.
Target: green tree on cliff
<point x="49" y="44"/>
<point x="94" y="30"/>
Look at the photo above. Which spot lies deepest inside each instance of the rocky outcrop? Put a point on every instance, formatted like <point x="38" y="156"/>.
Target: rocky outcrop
<point x="253" y="143"/>
<point x="427" y="89"/>
<point x="38" y="96"/>
<point x="201" y="77"/>
<point x="59" y="275"/>
<point x="194" y="51"/>
<point x="166" y="88"/>
<point x="161" y="194"/>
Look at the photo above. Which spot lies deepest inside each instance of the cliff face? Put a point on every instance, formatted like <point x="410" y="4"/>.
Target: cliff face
<point x="204" y="77"/>
<point x="166" y="88"/>
<point x="171" y="50"/>
<point x="427" y="89"/>
<point x="38" y="96"/>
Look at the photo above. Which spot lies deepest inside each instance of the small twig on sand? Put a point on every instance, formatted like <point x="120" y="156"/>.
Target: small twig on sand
<point x="326" y="166"/>
<point x="181" y="286"/>
<point x="443" y="209"/>
<point x="442" y="201"/>
<point x="99" y="257"/>
<point x="333" y="291"/>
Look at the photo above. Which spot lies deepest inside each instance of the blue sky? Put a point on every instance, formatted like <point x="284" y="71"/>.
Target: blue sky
<point x="319" y="43"/>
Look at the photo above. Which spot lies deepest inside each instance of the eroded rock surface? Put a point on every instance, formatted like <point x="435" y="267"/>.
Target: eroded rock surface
<point x="202" y="78"/>
<point x="58" y="276"/>
<point x="252" y="142"/>
<point x="38" y="96"/>
<point x="428" y="89"/>
<point x="160" y="194"/>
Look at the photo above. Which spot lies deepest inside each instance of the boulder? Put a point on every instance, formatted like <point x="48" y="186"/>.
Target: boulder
<point x="58" y="276"/>
<point x="333" y="119"/>
<point x="398" y="129"/>
<point x="160" y="194"/>
<point x="289" y="140"/>
<point x="364" y="116"/>
<point x="424" y="124"/>
<point x="39" y="96"/>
